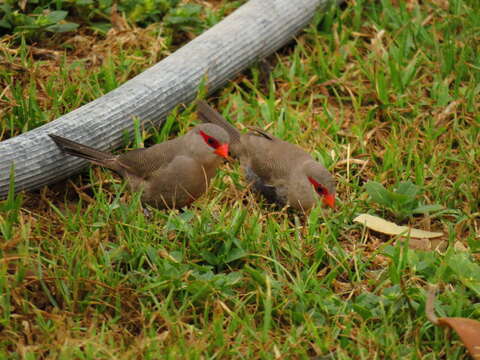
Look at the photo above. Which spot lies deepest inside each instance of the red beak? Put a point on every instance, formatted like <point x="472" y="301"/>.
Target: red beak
<point x="329" y="200"/>
<point x="222" y="151"/>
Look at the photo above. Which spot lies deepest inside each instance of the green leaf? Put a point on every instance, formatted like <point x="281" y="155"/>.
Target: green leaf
<point x="378" y="193"/>
<point x="59" y="28"/>
<point x="6" y="8"/>
<point x="183" y="15"/>
<point x="56" y="16"/>
<point x="209" y="257"/>
<point x="422" y="209"/>
<point x="407" y="188"/>
<point x="401" y="200"/>
<point x="235" y="254"/>
<point x="101" y="27"/>
<point x="5" y="24"/>
<point x="466" y="270"/>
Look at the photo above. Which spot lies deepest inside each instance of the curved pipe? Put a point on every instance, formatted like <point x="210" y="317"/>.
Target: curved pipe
<point x="253" y="31"/>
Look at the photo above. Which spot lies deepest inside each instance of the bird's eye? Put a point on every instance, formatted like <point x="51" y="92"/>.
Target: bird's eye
<point x="210" y="140"/>
<point x="319" y="188"/>
<point x="213" y="143"/>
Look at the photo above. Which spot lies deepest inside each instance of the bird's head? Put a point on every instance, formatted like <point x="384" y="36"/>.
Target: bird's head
<point x="322" y="182"/>
<point x="212" y="139"/>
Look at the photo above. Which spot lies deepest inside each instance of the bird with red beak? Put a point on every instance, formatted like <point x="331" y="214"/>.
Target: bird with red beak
<point x="171" y="174"/>
<point x="283" y="172"/>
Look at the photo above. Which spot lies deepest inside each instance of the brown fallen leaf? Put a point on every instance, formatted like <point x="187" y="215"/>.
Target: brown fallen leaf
<point x="387" y="227"/>
<point x="467" y="329"/>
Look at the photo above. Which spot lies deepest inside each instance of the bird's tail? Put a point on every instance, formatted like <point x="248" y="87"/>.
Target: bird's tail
<point x="96" y="156"/>
<point x="207" y="114"/>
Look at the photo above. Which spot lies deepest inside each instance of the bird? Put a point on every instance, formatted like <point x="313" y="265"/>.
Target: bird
<point x="282" y="172"/>
<point x="170" y="174"/>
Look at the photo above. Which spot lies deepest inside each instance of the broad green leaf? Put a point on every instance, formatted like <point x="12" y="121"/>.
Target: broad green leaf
<point x="59" y="28"/>
<point x="378" y="193"/>
<point x="186" y="14"/>
<point x="56" y="16"/>
<point x="402" y="200"/>
<point x="5" y="24"/>
<point x="467" y="271"/>
<point x="407" y="188"/>
<point x="235" y="254"/>
<point x="209" y="257"/>
<point x="422" y="209"/>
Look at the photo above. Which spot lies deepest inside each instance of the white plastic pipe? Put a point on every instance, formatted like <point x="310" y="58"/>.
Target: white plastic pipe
<point x="252" y="32"/>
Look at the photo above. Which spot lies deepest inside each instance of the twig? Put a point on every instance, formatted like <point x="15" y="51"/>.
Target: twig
<point x="429" y="306"/>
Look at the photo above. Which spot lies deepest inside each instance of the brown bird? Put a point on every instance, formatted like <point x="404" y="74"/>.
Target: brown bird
<point x="282" y="172"/>
<point x="171" y="174"/>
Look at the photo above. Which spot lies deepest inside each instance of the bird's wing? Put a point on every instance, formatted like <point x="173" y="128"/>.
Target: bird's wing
<point x="142" y="162"/>
<point x="272" y="160"/>
<point x="177" y="184"/>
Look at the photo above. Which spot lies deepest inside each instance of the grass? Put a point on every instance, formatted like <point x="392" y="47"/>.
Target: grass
<point x="384" y="91"/>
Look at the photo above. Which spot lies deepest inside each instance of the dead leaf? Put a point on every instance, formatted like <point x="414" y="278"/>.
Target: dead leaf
<point x="386" y="227"/>
<point x="467" y="329"/>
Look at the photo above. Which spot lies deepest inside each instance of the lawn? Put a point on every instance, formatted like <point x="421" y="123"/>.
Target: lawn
<point x="379" y="91"/>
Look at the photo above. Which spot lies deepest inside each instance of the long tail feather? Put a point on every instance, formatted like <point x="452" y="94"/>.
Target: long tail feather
<point x="76" y="149"/>
<point x="209" y="115"/>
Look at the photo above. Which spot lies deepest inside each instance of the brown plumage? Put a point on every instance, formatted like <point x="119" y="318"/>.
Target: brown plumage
<point x="171" y="174"/>
<point x="282" y="172"/>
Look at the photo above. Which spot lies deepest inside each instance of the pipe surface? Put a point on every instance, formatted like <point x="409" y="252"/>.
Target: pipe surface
<point x="252" y="32"/>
